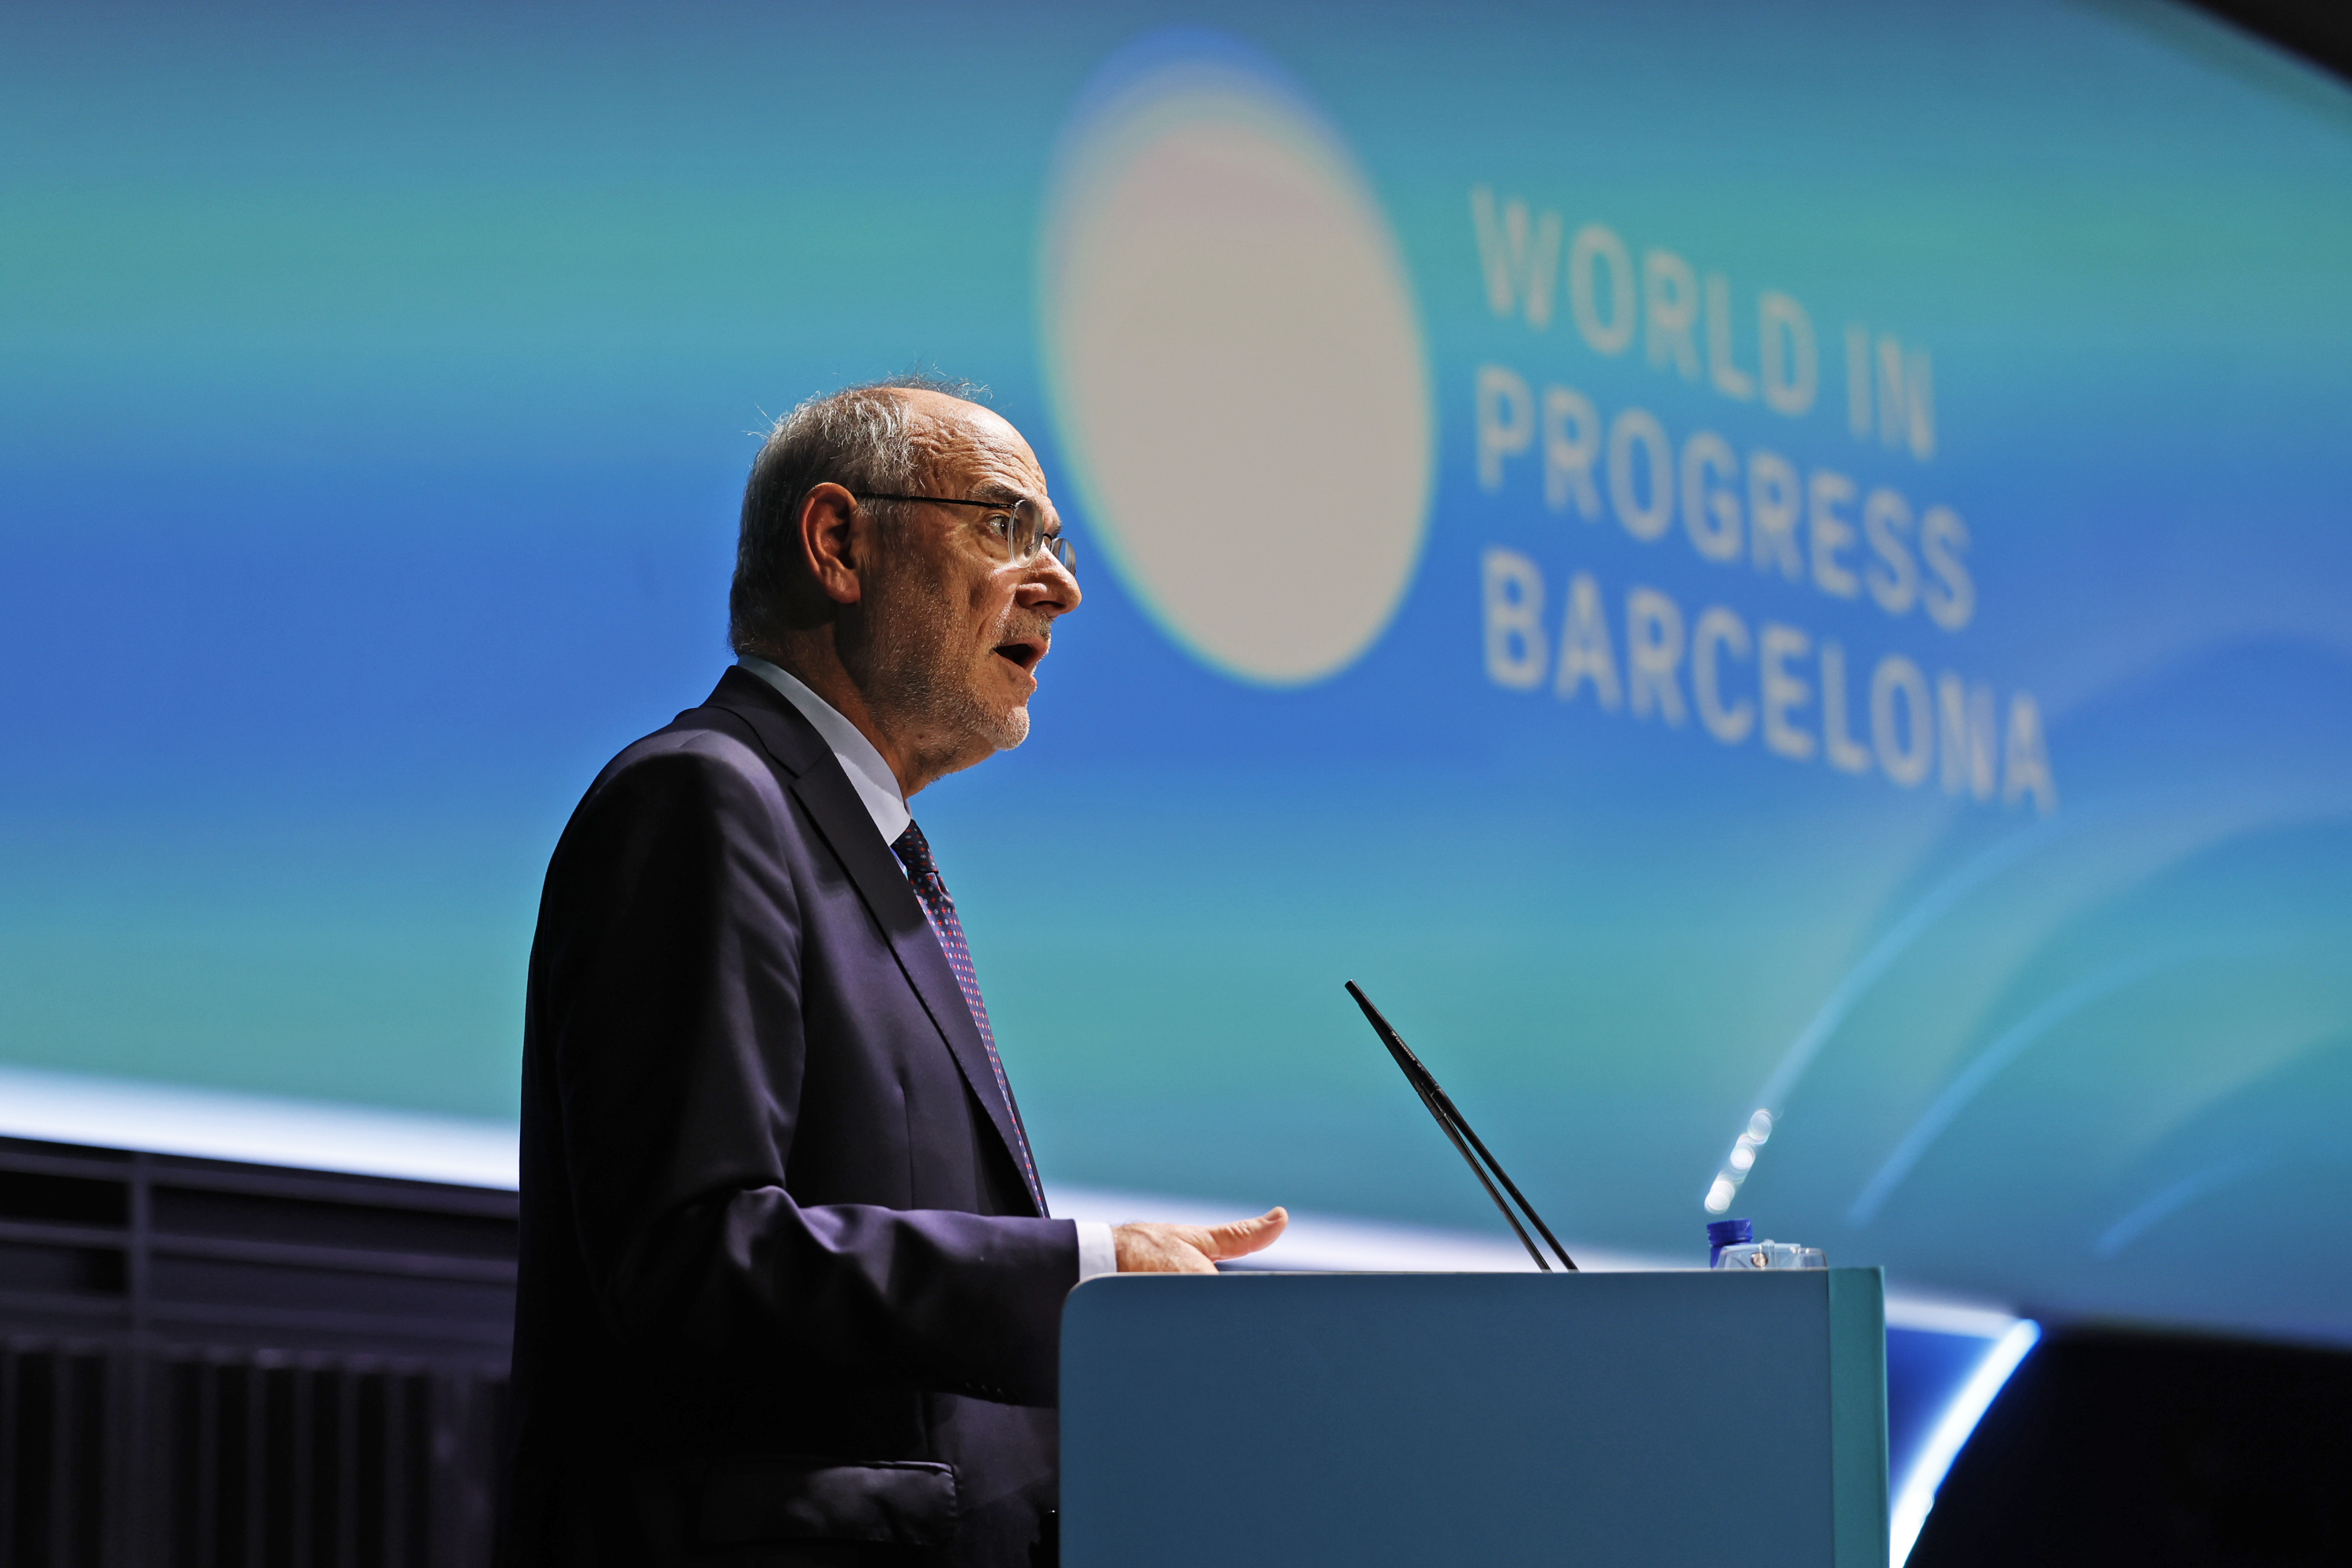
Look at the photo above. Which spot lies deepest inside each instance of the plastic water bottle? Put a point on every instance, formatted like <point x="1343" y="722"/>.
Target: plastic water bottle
<point x="1732" y="1243"/>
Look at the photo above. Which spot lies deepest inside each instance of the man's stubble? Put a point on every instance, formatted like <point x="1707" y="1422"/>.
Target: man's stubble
<point x="918" y="665"/>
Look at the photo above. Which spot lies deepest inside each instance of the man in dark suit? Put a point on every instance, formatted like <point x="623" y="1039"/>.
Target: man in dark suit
<point x="788" y="1291"/>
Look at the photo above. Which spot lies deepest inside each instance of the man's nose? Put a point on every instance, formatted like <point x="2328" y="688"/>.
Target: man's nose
<point x="1051" y="587"/>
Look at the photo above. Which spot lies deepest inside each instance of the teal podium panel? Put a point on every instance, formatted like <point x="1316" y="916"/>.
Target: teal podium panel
<point x="1618" y="1419"/>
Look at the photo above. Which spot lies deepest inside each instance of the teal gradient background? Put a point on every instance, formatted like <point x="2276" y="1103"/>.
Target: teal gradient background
<point x="376" y="390"/>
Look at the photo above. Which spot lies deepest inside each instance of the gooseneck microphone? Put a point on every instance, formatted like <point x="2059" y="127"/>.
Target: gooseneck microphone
<point x="1451" y="1122"/>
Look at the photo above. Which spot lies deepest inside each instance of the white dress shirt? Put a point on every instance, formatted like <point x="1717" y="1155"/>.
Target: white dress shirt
<point x="878" y="791"/>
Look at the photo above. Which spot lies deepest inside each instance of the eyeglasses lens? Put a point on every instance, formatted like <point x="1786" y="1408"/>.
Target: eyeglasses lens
<point x="1030" y="535"/>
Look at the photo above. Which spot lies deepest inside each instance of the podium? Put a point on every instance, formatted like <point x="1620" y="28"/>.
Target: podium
<point x="1616" y="1419"/>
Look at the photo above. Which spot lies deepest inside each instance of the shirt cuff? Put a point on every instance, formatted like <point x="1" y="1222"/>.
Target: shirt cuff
<point x="1098" y="1252"/>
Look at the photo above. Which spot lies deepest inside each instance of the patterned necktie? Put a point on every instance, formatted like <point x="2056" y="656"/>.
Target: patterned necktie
<point x="914" y="852"/>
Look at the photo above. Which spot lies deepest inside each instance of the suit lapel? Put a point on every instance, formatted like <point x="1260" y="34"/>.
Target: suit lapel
<point x="814" y="776"/>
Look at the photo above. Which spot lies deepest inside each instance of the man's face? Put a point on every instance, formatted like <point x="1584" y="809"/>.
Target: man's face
<point x="957" y="628"/>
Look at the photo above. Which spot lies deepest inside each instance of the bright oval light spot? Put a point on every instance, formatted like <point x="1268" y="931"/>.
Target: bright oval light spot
<point x="1742" y="1156"/>
<point x="1718" y="1196"/>
<point x="1236" y="365"/>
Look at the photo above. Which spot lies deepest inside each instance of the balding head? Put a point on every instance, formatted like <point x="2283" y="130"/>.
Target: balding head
<point x="884" y="436"/>
<point x="921" y="619"/>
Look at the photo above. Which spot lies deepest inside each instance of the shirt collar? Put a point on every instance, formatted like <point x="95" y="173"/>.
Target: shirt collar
<point x="869" y="775"/>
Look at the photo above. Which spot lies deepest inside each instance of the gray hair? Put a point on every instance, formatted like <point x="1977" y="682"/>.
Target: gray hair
<point x="859" y="437"/>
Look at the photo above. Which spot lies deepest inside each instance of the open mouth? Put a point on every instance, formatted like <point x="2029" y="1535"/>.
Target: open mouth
<point x="1024" y="654"/>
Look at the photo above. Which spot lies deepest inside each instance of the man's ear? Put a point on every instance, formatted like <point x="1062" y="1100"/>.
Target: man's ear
<point x="833" y="542"/>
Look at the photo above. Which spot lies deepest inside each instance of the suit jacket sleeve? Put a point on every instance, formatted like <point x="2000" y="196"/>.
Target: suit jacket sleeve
<point x="667" y="991"/>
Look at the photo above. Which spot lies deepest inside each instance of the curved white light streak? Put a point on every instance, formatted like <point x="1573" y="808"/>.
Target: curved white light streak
<point x="1885" y="950"/>
<point x="1971" y="1081"/>
<point x="2176" y="1197"/>
<point x="1916" y="1496"/>
<point x="1863" y="976"/>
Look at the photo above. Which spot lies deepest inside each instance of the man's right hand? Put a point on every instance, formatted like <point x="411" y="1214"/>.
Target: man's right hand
<point x="1148" y="1248"/>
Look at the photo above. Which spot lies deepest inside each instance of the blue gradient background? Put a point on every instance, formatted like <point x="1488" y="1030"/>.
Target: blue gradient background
<point x="376" y="390"/>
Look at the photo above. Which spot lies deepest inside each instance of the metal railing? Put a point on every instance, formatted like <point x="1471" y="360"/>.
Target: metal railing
<point x="211" y="1366"/>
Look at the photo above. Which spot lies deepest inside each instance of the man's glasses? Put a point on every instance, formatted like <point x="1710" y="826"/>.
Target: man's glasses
<point x="1024" y="527"/>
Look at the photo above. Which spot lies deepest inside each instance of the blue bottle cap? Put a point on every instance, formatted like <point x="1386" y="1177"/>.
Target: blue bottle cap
<point x="1729" y="1232"/>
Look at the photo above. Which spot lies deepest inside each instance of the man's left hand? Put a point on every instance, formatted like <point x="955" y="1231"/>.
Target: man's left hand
<point x="1148" y="1248"/>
